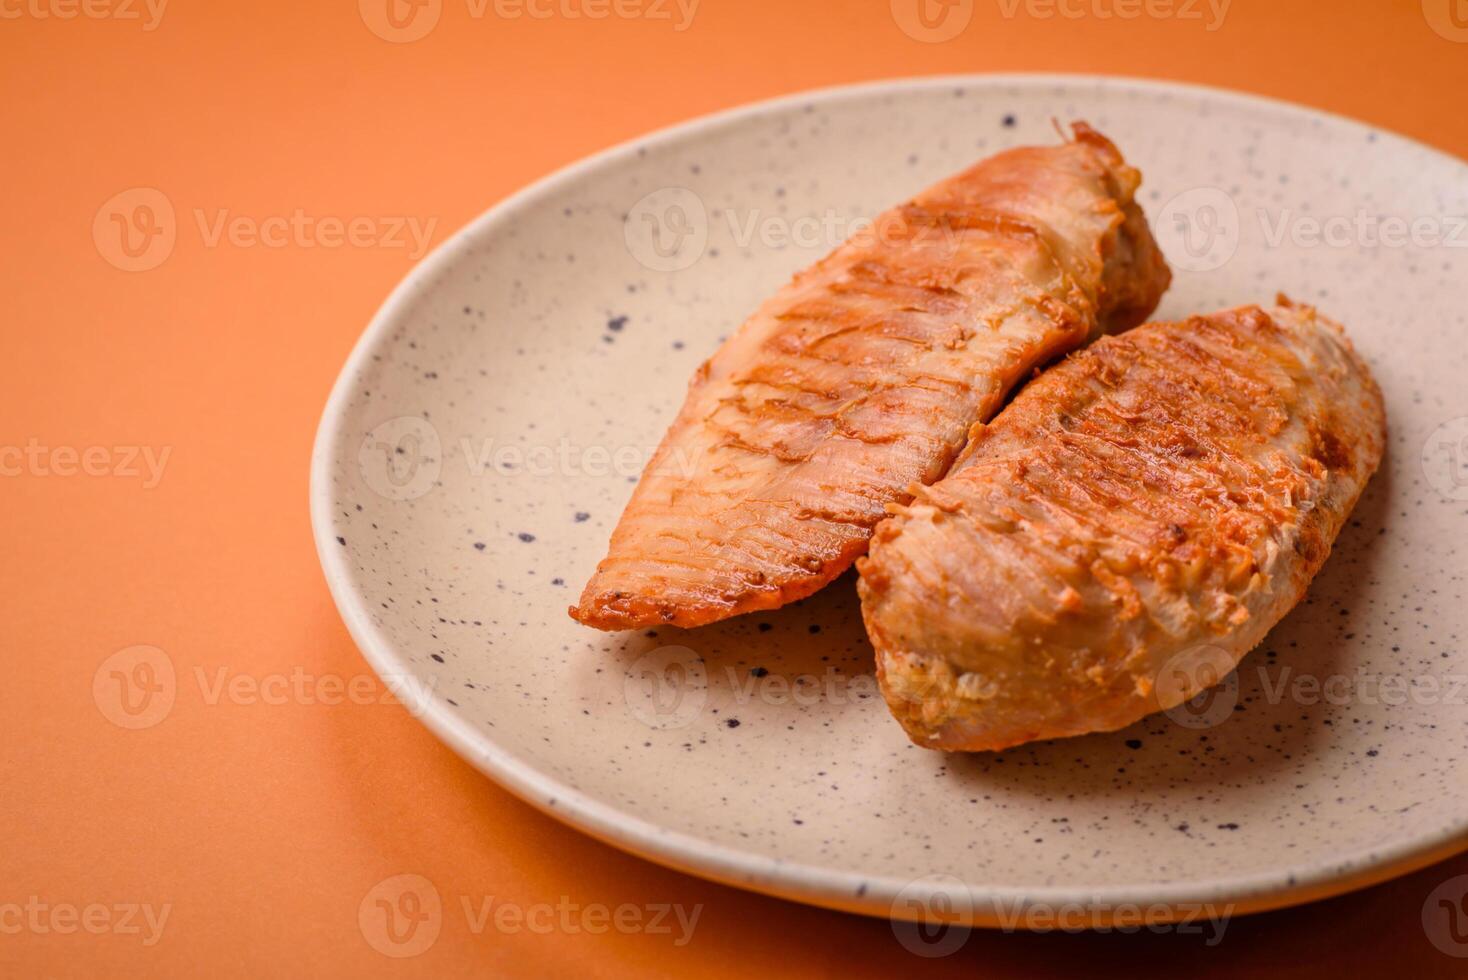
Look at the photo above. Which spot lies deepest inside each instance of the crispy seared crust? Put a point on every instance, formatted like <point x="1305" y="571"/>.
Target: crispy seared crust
<point x="1156" y="503"/>
<point x="864" y="375"/>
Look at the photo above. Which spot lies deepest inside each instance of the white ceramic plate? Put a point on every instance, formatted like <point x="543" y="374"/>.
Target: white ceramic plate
<point x="486" y="432"/>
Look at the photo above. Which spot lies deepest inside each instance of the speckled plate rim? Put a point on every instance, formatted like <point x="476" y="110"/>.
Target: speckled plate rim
<point x="850" y="891"/>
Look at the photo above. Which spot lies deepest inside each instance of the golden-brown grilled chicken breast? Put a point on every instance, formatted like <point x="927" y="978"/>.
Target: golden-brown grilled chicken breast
<point x="863" y="376"/>
<point x="1139" y="513"/>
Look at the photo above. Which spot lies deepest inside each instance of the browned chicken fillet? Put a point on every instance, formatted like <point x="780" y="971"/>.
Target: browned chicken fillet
<point x="864" y="375"/>
<point x="1139" y="513"/>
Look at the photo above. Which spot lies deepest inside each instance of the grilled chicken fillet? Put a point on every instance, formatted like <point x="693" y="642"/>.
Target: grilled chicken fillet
<point x="863" y="375"/>
<point x="1124" y="532"/>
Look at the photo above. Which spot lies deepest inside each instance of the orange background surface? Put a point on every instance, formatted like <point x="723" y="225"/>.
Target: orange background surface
<point x="263" y="826"/>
